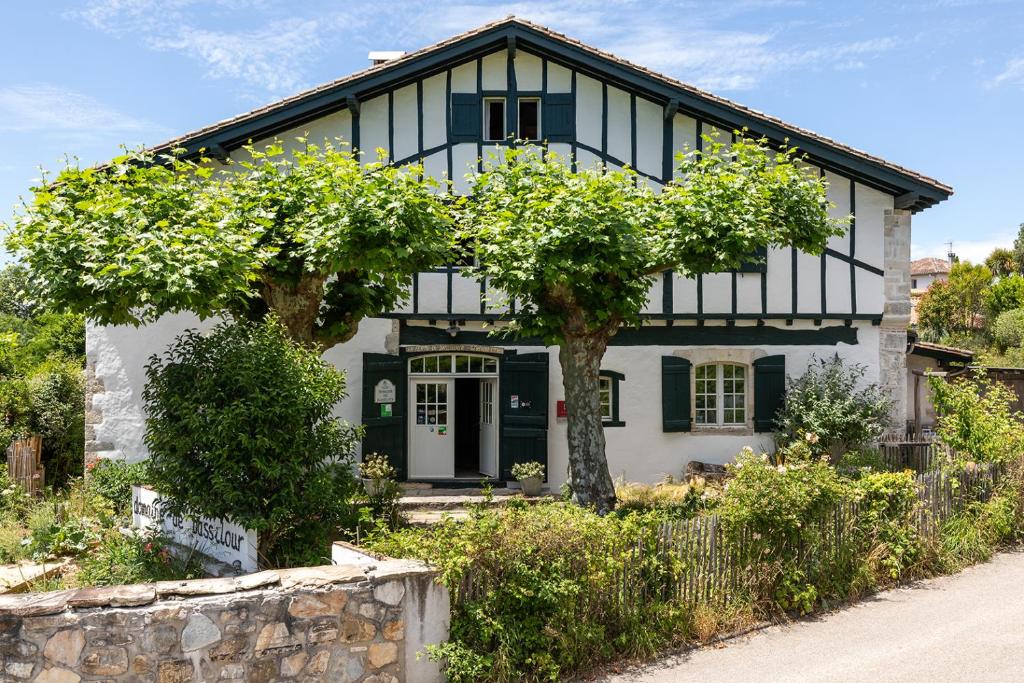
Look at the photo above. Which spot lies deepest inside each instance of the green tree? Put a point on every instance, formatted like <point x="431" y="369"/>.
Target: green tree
<point x="955" y="307"/>
<point x="223" y="446"/>
<point x="19" y="292"/>
<point x="1018" y="250"/>
<point x="1008" y="329"/>
<point x="578" y="251"/>
<point x="1001" y="262"/>
<point x="311" y="235"/>
<point x="1004" y="295"/>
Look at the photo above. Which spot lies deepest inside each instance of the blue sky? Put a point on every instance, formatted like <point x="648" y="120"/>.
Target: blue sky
<point x="935" y="85"/>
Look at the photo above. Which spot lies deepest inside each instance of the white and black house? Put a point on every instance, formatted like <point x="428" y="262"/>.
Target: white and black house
<point x="702" y="377"/>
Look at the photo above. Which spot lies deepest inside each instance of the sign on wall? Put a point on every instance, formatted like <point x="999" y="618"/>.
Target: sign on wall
<point x="216" y="538"/>
<point x="384" y="391"/>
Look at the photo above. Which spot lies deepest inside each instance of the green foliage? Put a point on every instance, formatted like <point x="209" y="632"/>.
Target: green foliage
<point x="1008" y="330"/>
<point x="975" y="534"/>
<point x="525" y="470"/>
<point x="675" y="499"/>
<point x="19" y="292"/>
<point x="119" y="559"/>
<point x="1001" y="262"/>
<point x="376" y="466"/>
<point x="579" y="248"/>
<point x="832" y="409"/>
<point x="888" y="503"/>
<point x="113" y="480"/>
<point x="310" y="233"/>
<point x="1006" y="294"/>
<point x="547" y="603"/>
<point x="240" y="426"/>
<point x="1018" y="250"/>
<point x="56" y="394"/>
<point x="975" y="419"/>
<point x="954" y="306"/>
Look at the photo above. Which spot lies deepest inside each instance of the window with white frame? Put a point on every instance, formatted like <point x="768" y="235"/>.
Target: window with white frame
<point x="608" y="398"/>
<point x="721" y="394"/>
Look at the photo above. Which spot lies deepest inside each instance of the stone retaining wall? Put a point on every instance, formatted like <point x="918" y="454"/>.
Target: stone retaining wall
<point x="332" y="623"/>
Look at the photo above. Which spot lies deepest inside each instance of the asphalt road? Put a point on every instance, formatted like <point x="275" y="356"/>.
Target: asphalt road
<point x="965" y="627"/>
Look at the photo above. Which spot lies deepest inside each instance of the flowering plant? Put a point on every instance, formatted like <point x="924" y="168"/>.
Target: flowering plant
<point x="377" y="467"/>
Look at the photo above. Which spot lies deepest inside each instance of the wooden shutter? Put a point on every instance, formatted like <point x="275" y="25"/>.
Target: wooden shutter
<point x="769" y="391"/>
<point x="675" y="394"/>
<point x="467" y="117"/>
<point x="523" y="410"/>
<point x="559" y="119"/>
<point x="385" y="434"/>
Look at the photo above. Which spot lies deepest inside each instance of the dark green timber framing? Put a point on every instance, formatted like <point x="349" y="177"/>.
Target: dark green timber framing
<point x="675" y="335"/>
<point x="910" y="191"/>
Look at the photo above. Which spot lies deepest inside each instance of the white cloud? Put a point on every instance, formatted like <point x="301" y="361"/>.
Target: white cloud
<point x="1012" y="74"/>
<point x="43" y="107"/>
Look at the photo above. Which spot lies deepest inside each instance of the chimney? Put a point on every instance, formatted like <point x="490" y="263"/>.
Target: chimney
<point x="380" y="56"/>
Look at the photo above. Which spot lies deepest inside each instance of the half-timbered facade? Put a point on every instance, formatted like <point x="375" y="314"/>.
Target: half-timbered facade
<point x="700" y="379"/>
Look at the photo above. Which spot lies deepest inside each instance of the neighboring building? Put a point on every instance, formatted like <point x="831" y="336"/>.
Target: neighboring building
<point x="925" y="271"/>
<point x="699" y="380"/>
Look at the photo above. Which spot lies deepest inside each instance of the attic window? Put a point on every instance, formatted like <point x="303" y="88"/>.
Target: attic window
<point x="494" y="118"/>
<point x="529" y="118"/>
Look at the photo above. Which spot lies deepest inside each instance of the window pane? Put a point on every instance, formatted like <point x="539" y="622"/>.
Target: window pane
<point x="444" y="363"/>
<point x="442" y="393"/>
<point x="494" y="119"/>
<point x="417" y="365"/>
<point x="529" y="119"/>
<point x="476" y="364"/>
<point x="490" y="365"/>
<point x="461" y="363"/>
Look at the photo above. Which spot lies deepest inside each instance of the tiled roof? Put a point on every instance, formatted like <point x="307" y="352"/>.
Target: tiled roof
<point x="927" y="266"/>
<point x="511" y="20"/>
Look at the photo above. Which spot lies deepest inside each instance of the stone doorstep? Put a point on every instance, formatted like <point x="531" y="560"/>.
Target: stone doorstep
<point x="460" y="498"/>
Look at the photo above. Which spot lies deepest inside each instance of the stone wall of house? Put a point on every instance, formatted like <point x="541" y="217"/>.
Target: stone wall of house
<point x="334" y="623"/>
<point x="892" y="352"/>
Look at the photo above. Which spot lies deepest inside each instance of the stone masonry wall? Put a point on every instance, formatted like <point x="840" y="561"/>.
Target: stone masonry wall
<point x="892" y="353"/>
<point x="332" y="623"/>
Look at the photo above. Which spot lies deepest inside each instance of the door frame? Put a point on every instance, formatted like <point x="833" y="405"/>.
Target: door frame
<point x="450" y="374"/>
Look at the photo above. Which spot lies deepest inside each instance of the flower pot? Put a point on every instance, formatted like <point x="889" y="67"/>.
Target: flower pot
<point x="531" y="486"/>
<point x="374" y="487"/>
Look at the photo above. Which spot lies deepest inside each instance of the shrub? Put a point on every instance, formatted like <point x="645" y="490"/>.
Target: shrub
<point x="1008" y="329"/>
<point x="677" y="499"/>
<point x="377" y="467"/>
<point x="525" y="470"/>
<point x="888" y="502"/>
<point x="830" y="402"/>
<point x="119" y="559"/>
<point x="113" y="480"/>
<point x="56" y="394"/>
<point x="975" y="419"/>
<point x="547" y="598"/>
<point x="240" y="426"/>
<point x="975" y="534"/>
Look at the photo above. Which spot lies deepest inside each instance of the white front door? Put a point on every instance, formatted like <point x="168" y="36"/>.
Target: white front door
<point x="431" y="442"/>
<point x="488" y="427"/>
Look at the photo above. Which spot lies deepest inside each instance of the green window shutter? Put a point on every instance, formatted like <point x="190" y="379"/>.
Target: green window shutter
<point x="675" y="394"/>
<point x="757" y="264"/>
<point x="559" y="119"/>
<point x="769" y="391"/>
<point x="385" y="433"/>
<point x="467" y="117"/>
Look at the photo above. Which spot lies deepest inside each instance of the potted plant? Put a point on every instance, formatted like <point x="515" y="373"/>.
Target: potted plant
<point x="530" y="475"/>
<point x="376" y="472"/>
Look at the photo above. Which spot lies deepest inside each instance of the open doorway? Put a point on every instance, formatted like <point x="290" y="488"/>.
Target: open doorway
<point x="467" y="428"/>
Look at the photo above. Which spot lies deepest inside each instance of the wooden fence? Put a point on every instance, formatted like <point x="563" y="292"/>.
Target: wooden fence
<point x="697" y="561"/>
<point x="25" y="463"/>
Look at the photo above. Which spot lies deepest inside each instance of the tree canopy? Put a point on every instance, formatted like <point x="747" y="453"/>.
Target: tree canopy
<point x="954" y="307"/>
<point x="578" y="250"/>
<point x="312" y="234"/>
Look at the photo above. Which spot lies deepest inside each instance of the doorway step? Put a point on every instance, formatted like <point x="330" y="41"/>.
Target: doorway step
<point x="422" y="505"/>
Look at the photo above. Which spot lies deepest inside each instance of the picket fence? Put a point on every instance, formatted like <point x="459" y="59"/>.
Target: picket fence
<point x="695" y="561"/>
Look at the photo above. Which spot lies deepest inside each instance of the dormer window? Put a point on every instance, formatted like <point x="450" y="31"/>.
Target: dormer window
<point x="494" y="119"/>
<point x="529" y="118"/>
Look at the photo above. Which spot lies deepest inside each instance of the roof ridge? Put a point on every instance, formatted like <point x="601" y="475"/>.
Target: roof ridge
<point x="513" y="19"/>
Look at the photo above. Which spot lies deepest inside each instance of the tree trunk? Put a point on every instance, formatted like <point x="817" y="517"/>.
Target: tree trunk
<point x="297" y="305"/>
<point x="589" y="478"/>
